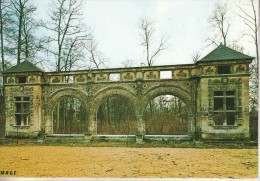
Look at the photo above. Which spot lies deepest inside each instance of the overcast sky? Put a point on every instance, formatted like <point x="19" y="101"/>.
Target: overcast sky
<point x="114" y="24"/>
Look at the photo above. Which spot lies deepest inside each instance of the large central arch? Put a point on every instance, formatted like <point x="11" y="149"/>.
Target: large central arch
<point x="56" y="97"/>
<point x="103" y="94"/>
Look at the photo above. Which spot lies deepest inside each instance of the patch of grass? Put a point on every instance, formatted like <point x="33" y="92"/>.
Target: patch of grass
<point x="133" y="144"/>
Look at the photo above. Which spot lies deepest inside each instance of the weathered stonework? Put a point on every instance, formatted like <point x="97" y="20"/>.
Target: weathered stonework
<point x="193" y="83"/>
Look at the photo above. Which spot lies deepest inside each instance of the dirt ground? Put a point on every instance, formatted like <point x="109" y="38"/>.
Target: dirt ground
<point x="96" y="162"/>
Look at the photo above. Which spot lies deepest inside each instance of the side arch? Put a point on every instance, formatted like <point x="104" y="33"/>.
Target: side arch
<point x="59" y="94"/>
<point x="163" y="89"/>
<point x="56" y="97"/>
<point x="169" y="89"/>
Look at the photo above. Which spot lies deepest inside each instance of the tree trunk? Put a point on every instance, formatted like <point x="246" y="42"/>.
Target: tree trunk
<point x="2" y="37"/>
<point x="26" y="38"/>
<point x="20" y="33"/>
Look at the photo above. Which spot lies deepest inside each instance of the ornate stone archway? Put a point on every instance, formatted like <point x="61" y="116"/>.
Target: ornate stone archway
<point x="163" y="89"/>
<point x="56" y="97"/>
<point x="105" y="93"/>
<point x="169" y="89"/>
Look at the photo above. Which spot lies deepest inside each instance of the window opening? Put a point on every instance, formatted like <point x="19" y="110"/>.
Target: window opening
<point x="230" y="93"/>
<point x="22" y="79"/>
<point x="115" y="77"/>
<point x="224" y="69"/>
<point x="22" y="105"/>
<point x="224" y="108"/>
<point x="231" y="119"/>
<point x="166" y="74"/>
<point x="69" y="78"/>
<point x="219" y="118"/>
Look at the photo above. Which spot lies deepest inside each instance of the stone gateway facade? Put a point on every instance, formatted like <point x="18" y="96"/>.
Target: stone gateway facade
<point x="215" y="90"/>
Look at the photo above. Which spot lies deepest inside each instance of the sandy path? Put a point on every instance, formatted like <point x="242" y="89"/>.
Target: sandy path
<point x="60" y="161"/>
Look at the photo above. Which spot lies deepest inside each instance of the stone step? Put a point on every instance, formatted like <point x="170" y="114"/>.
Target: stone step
<point x="113" y="137"/>
<point x="168" y="137"/>
<point x="63" y="138"/>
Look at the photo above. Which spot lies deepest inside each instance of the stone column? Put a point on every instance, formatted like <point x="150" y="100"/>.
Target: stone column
<point x="192" y="120"/>
<point x="48" y="123"/>
<point x="193" y="109"/>
<point x="140" y="125"/>
<point x="92" y="124"/>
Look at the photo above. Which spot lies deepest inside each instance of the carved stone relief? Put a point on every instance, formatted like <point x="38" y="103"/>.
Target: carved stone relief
<point x="181" y="74"/>
<point x="209" y="70"/>
<point x="56" y="80"/>
<point x="10" y="80"/>
<point x="32" y="79"/>
<point x="151" y="75"/>
<point x="101" y="77"/>
<point x="240" y="69"/>
<point x="81" y="78"/>
<point x="128" y="76"/>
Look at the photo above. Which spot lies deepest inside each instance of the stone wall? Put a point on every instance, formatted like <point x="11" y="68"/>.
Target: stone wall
<point x="193" y="84"/>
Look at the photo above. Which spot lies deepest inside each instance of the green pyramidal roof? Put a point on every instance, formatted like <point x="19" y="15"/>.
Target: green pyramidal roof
<point x="25" y="66"/>
<point x="224" y="53"/>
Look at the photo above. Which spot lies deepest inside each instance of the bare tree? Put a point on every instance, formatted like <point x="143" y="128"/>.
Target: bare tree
<point x="5" y="24"/>
<point x="127" y="63"/>
<point x="196" y="56"/>
<point x="147" y="28"/>
<point x="66" y="24"/>
<point x="236" y="46"/>
<point x="220" y="24"/>
<point x="95" y="56"/>
<point x="19" y="31"/>
<point x="30" y="43"/>
<point x="250" y="20"/>
<point x="73" y="52"/>
<point x="2" y="17"/>
<point x="18" y="7"/>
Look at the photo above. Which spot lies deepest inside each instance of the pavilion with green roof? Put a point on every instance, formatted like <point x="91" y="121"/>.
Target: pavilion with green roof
<point x="24" y="66"/>
<point x="223" y="53"/>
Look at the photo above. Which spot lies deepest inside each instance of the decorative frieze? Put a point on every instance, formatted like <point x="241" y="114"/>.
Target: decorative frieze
<point x="151" y="75"/>
<point x="56" y="80"/>
<point x="101" y="77"/>
<point x="32" y="79"/>
<point x="128" y="76"/>
<point x="81" y="78"/>
<point x="240" y="68"/>
<point x="10" y="80"/>
<point x="181" y="74"/>
<point x="209" y="70"/>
